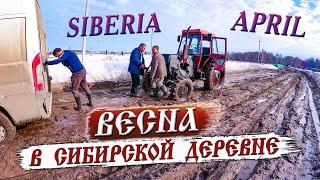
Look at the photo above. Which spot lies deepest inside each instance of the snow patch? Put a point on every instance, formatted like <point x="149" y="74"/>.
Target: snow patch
<point x="262" y="100"/>
<point x="102" y="67"/>
<point x="236" y="66"/>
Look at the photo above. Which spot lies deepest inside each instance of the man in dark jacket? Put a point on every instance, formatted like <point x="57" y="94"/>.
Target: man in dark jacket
<point x="78" y="78"/>
<point x="136" y="66"/>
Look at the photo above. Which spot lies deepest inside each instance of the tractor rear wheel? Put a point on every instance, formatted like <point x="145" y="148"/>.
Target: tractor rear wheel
<point x="212" y="77"/>
<point x="183" y="90"/>
<point x="7" y="129"/>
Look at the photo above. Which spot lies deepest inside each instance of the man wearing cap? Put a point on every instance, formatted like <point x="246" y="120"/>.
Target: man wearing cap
<point x="78" y="78"/>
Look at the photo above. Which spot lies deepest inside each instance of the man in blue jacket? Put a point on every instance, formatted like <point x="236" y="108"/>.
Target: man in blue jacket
<point x="136" y="66"/>
<point x="78" y="78"/>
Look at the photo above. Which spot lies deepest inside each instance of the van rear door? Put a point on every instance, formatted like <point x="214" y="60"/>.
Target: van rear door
<point x="44" y="96"/>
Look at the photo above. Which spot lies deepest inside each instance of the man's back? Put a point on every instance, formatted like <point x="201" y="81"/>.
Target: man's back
<point x="158" y="66"/>
<point x="70" y="60"/>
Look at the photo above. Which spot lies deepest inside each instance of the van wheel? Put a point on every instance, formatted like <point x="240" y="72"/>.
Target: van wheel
<point x="7" y="129"/>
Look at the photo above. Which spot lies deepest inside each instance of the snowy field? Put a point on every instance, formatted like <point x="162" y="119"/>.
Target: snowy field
<point x="114" y="68"/>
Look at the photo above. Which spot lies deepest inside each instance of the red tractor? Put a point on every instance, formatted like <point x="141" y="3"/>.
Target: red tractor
<point x="201" y="56"/>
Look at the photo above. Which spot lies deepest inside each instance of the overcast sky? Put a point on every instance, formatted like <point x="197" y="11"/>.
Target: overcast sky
<point x="216" y="16"/>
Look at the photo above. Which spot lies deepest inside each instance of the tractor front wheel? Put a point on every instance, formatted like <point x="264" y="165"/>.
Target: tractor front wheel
<point x="183" y="90"/>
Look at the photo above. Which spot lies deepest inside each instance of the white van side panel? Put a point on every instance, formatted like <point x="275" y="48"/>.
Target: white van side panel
<point x="17" y="92"/>
<point x="21" y="112"/>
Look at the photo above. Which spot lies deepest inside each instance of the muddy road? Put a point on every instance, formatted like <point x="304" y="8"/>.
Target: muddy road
<point x="261" y="101"/>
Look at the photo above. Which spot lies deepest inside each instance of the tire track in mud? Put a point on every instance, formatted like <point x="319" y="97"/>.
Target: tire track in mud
<point x="295" y="122"/>
<point x="244" y="169"/>
<point x="270" y="123"/>
<point x="246" y="124"/>
<point x="259" y="101"/>
<point x="256" y="107"/>
<point x="245" y="93"/>
<point x="277" y="119"/>
<point x="290" y="117"/>
<point x="176" y="167"/>
<point x="249" y="91"/>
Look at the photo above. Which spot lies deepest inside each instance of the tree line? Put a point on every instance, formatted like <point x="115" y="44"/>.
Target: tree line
<point x="270" y="58"/>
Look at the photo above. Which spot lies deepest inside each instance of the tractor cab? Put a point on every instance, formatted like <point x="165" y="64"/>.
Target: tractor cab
<point x="201" y="47"/>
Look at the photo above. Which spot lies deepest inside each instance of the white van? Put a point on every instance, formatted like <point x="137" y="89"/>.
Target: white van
<point x="25" y="93"/>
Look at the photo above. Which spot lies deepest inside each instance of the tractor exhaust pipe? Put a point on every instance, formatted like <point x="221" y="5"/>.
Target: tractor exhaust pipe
<point x="185" y="48"/>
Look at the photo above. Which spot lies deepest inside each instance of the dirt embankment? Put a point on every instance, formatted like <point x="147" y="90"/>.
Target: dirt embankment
<point x="260" y="101"/>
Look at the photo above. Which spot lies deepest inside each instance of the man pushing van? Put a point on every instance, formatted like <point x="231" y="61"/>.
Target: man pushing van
<point x="78" y="78"/>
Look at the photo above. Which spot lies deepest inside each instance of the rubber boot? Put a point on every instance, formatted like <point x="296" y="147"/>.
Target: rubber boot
<point x="165" y="92"/>
<point x="78" y="101"/>
<point x="154" y="92"/>
<point x="90" y="100"/>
